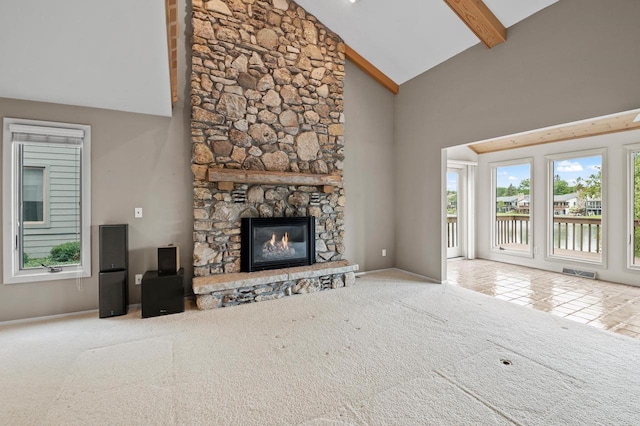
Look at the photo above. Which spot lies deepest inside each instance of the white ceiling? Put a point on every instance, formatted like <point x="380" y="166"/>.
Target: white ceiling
<point x="104" y="54"/>
<point x="404" y="38"/>
<point x="113" y="54"/>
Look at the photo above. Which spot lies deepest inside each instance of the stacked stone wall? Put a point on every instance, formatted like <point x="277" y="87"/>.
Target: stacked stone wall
<point x="266" y="95"/>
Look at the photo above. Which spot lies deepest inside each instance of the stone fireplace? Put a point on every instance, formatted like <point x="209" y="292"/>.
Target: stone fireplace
<point x="267" y="142"/>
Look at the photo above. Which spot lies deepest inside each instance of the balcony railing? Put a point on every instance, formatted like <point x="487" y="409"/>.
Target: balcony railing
<point x="570" y="233"/>
<point x="452" y="231"/>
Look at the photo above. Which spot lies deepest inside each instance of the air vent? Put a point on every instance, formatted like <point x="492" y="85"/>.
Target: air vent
<point x="315" y="199"/>
<point x="579" y="273"/>
<point x="325" y="280"/>
<point x="239" y="196"/>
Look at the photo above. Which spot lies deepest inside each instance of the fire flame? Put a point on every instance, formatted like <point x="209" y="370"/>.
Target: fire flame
<point x="285" y="241"/>
<point x="272" y="241"/>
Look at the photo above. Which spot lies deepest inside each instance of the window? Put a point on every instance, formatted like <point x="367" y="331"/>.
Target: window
<point x="633" y="209"/>
<point x="32" y="195"/>
<point x="577" y="206"/>
<point x="512" y="207"/>
<point x="46" y="201"/>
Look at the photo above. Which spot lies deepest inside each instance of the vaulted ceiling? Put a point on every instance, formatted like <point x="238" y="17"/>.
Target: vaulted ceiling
<point x="113" y="54"/>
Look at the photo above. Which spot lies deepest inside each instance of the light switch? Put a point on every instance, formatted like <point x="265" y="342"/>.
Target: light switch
<point x="137" y="213"/>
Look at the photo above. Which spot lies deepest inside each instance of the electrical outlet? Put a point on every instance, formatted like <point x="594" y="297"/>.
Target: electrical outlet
<point x="384" y="252"/>
<point x="137" y="212"/>
<point x="138" y="279"/>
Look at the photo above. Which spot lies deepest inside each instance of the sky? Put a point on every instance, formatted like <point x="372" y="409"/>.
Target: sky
<point x="568" y="169"/>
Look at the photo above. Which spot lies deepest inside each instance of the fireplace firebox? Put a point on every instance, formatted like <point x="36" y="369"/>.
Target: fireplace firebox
<point x="273" y="243"/>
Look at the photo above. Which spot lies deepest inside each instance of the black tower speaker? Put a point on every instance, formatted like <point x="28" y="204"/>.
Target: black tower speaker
<point x="114" y="262"/>
<point x="113" y="294"/>
<point x="114" y="248"/>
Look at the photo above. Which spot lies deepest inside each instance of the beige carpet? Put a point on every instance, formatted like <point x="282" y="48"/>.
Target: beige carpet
<point x="390" y="350"/>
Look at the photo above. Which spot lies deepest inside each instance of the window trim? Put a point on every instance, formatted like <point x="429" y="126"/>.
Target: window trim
<point x="630" y="150"/>
<point x="550" y="159"/>
<point x="493" y="166"/>
<point x="11" y="252"/>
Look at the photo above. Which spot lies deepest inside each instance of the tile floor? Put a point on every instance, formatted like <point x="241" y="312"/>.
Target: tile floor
<point x="601" y="304"/>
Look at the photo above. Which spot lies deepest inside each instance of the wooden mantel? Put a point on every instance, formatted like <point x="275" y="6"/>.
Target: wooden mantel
<point x="273" y="178"/>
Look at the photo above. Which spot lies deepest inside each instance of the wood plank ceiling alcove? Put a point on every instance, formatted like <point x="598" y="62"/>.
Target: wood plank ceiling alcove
<point x="621" y="122"/>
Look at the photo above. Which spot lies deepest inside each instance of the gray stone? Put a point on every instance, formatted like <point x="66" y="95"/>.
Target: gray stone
<point x="262" y="133"/>
<point x="226" y="212"/>
<point x="265" y="83"/>
<point x="307" y="146"/>
<point x="252" y="163"/>
<point x="232" y="105"/>
<point x="315" y="211"/>
<point x="204" y="116"/>
<point x="247" y="81"/>
<point x="299" y="199"/>
<point x="203" y="29"/>
<point x="203" y="254"/>
<point x="311" y="117"/>
<point x="240" y="63"/>
<point x="208" y="301"/>
<point x="265" y="210"/>
<point x="267" y="38"/>
<point x="201" y="194"/>
<point x="312" y="51"/>
<point x="281" y="4"/>
<point x="289" y="118"/>
<point x="201" y="154"/>
<point x="239" y="138"/>
<point x="222" y="148"/>
<point x="249" y="212"/>
<point x="255" y="151"/>
<point x="282" y="76"/>
<point x="307" y="285"/>
<point x="299" y="80"/>
<point x="255" y="195"/>
<point x="318" y="73"/>
<point x="272" y="99"/>
<point x="310" y="32"/>
<point x="319" y="167"/>
<point x="327" y="255"/>
<point x="266" y="297"/>
<point x="323" y="91"/>
<point x="276" y="162"/>
<point x="238" y="154"/>
<point x="337" y="283"/>
<point x="321" y="246"/>
<point x="242" y="124"/>
<point x="267" y="116"/>
<point x="290" y="95"/>
<point x="349" y="279"/>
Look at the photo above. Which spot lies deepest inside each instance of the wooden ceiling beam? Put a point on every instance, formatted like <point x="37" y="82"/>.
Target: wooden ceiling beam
<point x="171" y="10"/>
<point x="370" y="69"/>
<point x="477" y="16"/>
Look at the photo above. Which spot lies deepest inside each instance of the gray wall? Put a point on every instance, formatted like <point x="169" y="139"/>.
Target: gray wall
<point x="574" y="60"/>
<point x="369" y="171"/>
<point x="137" y="161"/>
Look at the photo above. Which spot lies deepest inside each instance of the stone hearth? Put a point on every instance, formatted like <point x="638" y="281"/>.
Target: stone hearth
<point x="266" y="132"/>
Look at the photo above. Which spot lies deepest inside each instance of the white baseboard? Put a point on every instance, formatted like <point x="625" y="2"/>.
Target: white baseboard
<point x="424" y="277"/>
<point x="47" y="317"/>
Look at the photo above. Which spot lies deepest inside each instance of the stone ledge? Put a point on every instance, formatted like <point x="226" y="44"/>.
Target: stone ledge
<point x="210" y="284"/>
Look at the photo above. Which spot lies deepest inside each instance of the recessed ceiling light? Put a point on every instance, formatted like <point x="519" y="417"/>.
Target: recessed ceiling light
<point x="354" y="1"/>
